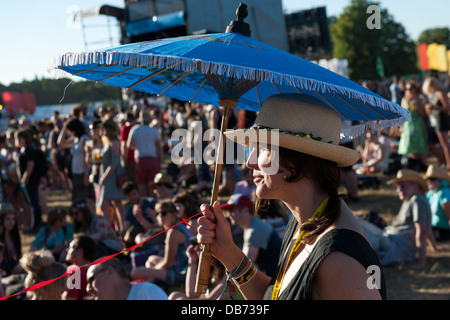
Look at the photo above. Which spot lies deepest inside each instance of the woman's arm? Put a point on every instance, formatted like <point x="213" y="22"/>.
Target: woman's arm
<point x="340" y="277"/>
<point x="443" y="100"/>
<point x="218" y="235"/>
<point x="174" y="238"/>
<point x="115" y="161"/>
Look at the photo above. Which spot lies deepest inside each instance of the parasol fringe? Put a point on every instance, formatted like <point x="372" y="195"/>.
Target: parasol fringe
<point x="190" y="65"/>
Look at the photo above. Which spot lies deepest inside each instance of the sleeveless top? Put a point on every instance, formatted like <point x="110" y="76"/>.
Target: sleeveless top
<point x="181" y="260"/>
<point x="346" y="241"/>
<point x="78" y="156"/>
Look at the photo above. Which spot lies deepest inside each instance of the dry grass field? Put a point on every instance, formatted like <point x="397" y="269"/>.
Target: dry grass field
<point x="403" y="283"/>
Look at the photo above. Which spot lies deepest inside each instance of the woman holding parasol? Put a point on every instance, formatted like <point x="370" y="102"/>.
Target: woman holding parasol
<point x="325" y="254"/>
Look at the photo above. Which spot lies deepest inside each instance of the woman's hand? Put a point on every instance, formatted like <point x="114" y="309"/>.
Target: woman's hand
<point x="215" y="231"/>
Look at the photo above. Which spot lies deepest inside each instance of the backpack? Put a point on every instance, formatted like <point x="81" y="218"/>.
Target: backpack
<point x="41" y="164"/>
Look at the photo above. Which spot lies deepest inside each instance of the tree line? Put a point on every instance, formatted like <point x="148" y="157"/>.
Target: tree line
<point x="363" y="46"/>
<point x="51" y="91"/>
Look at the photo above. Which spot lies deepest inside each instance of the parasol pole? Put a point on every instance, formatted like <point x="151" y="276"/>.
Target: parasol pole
<point x="228" y="103"/>
<point x="205" y="255"/>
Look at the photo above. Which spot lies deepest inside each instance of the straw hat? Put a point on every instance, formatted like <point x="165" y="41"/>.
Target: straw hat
<point x="304" y="124"/>
<point x="436" y="172"/>
<point x="407" y="175"/>
<point x="161" y="178"/>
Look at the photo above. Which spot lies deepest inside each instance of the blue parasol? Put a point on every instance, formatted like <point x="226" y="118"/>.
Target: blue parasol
<point x="230" y="70"/>
<point x="189" y="69"/>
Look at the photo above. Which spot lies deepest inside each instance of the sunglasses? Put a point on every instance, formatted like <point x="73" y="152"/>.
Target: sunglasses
<point x="162" y="213"/>
<point x="92" y="278"/>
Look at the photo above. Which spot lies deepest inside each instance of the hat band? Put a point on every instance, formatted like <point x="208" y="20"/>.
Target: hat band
<point x="297" y="134"/>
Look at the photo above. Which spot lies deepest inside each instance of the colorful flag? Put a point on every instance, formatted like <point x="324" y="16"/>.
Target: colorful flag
<point x="437" y="59"/>
<point x="422" y="57"/>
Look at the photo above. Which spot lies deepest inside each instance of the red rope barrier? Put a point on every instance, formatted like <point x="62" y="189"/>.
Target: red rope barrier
<point x="98" y="261"/>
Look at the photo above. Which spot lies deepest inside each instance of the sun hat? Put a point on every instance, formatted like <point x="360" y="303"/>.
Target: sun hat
<point x="237" y="199"/>
<point x="161" y="178"/>
<point x="303" y="123"/>
<point x="436" y="172"/>
<point x="408" y="175"/>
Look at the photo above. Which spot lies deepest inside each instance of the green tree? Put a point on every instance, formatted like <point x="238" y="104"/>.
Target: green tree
<point x="435" y="35"/>
<point x="362" y="46"/>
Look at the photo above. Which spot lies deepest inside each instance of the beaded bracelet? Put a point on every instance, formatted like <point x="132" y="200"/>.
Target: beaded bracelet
<point x="246" y="277"/>
<point x="239" y="268"/>
<point x="230" y="287"/>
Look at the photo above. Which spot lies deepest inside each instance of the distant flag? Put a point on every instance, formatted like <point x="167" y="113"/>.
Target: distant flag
<point x="448" y="61"/>
<point x="422" y="57"/>
<point x="437" y="59"/>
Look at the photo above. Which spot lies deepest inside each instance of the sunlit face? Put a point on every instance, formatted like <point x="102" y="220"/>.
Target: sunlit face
<point x="99" y="284"/>
<point x="433" y="184"/>
<point x="237" y="214"/>
<point x="164" y="217"/>
<point x="181" y="210"/>
<point x="406" y="190"/>
<point x="19" y="142"/>
<point x="267" y="173"/>
<point x="72" y="252"/>
<point x="133" y="196"/>
<point x="76" y="214"/>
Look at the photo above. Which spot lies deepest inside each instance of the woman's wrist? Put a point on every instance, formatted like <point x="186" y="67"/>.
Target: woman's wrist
<point x="233" y="260"/>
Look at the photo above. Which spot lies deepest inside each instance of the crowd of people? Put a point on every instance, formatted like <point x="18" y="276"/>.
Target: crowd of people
<point x="125" y="192"/>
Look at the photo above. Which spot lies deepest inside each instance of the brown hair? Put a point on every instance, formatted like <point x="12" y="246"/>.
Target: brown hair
<point x="41" y="266"/>
<point x="55" y="215"/>
<point x="326" y="176"/>
<point x="110" y="131"/>
<point x="25" y="134"/>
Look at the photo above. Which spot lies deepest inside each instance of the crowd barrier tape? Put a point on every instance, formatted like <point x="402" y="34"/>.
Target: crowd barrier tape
<point x="98" y="261"/>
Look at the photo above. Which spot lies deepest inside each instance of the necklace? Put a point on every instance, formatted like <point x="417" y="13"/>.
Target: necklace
<point x="288" y="258"/>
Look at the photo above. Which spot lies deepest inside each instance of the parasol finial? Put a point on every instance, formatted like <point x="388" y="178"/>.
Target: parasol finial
<point x="239" y="25"/>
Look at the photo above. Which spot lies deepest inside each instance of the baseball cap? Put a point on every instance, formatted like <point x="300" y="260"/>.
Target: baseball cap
<point x="237" y="199"/>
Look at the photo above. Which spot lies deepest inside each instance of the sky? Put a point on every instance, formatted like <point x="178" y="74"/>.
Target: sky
<point x="33" y="32"/>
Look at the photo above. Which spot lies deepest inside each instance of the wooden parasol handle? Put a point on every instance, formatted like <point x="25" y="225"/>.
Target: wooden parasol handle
<point x="205" y="256"/>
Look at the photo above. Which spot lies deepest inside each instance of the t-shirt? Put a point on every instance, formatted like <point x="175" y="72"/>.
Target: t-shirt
<point x="436" y="199"/>
<point x="78" y="156"/>
<point x="28" y="154"/>
<point x="402" y="244"/>
<point x="416" y="209"/>
<point x="144" y="137"/>
<point x="46" y="238"/>
<point x="77" y="283"/>
<point x="261" y="234"/>
<point x="146" y="291"/>
<point x="124" y="134"/>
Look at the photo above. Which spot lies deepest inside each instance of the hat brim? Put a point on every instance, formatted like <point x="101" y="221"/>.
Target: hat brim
<point x="342" y="156"/>
<point x="437" y="176"/>
<point x="422" y="183"/>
